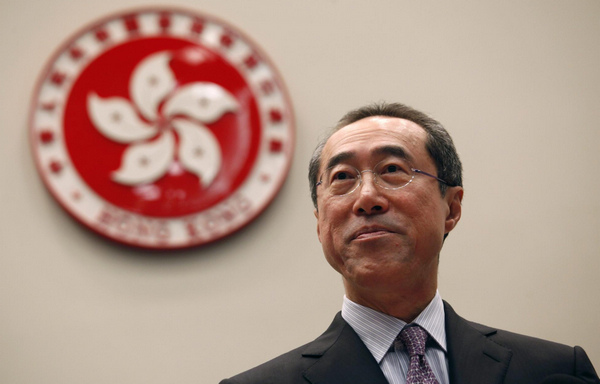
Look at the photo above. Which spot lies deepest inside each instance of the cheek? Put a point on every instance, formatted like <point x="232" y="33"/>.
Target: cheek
<point x="329" y="218"/>
<point x="429" y="224"/>
<point x="327" y="230"/>
<point x="330" y="229"/>
<point x="331" y="247"/>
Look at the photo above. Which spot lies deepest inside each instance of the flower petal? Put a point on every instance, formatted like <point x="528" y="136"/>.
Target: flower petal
<point x="151" y="81"/>
<point x="199" y="150"/>
<point x="206" y="102"/>
<point x="146" y="162"/>
<point x="116" y="119"/>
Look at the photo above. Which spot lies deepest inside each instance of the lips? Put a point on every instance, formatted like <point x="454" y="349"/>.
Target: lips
<point x="370" y="232"/>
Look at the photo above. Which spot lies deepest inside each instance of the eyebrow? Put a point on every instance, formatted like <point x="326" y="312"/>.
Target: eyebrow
<point x="390" y="150"/>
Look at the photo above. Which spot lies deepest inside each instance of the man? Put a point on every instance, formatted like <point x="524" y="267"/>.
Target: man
<point x="387" y="190"/>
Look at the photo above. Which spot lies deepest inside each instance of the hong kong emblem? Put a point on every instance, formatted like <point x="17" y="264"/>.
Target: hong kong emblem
<point x="162" y="128"/>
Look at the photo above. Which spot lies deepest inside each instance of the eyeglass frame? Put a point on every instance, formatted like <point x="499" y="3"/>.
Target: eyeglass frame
<point x="376" y="176"/>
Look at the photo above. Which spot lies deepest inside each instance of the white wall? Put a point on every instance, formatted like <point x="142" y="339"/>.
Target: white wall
<point x="516" y="83"/>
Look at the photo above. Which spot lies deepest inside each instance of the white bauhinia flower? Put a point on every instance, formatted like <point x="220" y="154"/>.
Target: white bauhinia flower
<point x="147" y="161"/>
<point x="116" y="119"/>
<point x="202" y="101"/>
<point x="199" y="150"/>
<point x="160" y="110"/>
<point x="152" y="81"/>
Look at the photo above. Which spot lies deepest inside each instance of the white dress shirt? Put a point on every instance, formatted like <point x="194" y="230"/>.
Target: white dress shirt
<point x="378" y="331"/>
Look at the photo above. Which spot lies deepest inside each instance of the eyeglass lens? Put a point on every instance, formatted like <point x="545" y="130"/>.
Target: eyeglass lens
<point x="390" y="174"/>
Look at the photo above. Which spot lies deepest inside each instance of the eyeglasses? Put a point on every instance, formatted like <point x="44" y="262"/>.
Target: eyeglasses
<point x="343" y="179"/>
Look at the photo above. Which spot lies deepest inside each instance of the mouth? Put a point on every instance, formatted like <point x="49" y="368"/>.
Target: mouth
<point x="371" y="233"/>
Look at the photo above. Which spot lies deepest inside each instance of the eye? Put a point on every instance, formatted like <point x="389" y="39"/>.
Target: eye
<point x="392" y="168"/>
<point x="342" y="175"/>
<point x="393" y="174"/>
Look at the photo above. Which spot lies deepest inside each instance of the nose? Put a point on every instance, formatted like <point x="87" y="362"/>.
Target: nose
<point x="370" y="200"/>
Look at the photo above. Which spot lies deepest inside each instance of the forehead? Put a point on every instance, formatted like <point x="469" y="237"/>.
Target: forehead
<point x="362" y="139"/>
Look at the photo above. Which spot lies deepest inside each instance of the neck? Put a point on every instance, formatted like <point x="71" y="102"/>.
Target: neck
<point x="405" y="306"/>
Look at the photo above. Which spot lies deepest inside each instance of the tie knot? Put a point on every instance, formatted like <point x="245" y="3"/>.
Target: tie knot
<point x="414" y="339"/>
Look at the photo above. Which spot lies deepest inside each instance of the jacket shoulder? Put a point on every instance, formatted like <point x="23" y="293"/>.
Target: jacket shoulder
<point x="286" y="368"/>
<point x="531" y="354"/>
<point x="535" y="357"/>
<point x="533" y="347"/>
<point x="289" y="367"/>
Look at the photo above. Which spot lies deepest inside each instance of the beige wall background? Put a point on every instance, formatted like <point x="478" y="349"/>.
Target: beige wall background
<point x="516" y="83"/>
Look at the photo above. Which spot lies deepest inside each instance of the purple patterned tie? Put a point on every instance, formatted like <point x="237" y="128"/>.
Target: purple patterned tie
<point x="419" y="372"/>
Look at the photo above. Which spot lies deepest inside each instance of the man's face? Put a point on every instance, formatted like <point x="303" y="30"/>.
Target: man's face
<point x="383" y="240"/>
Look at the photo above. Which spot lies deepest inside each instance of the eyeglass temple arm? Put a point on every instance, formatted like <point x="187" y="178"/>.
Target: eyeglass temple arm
<point x="430" y="175"/>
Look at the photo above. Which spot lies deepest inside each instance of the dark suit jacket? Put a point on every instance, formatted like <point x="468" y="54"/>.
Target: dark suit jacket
<point x="476" y="355"/>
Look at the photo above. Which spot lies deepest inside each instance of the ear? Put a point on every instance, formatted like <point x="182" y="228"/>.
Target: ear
<point x="454" y="196"/>
<point x="316" y="213"/>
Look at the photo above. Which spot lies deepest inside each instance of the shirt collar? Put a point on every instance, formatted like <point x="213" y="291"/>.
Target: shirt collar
<point x="378" y="330"/>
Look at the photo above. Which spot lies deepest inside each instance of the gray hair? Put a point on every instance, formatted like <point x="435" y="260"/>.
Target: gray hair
<point x="439" y="144"/>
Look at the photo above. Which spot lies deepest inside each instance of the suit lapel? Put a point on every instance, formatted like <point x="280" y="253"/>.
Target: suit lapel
<point x="472" y="357"/>
<point x="341" y="358"/>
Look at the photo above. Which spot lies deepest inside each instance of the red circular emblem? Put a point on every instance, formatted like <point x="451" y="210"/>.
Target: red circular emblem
<point x="162" y="128"/>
